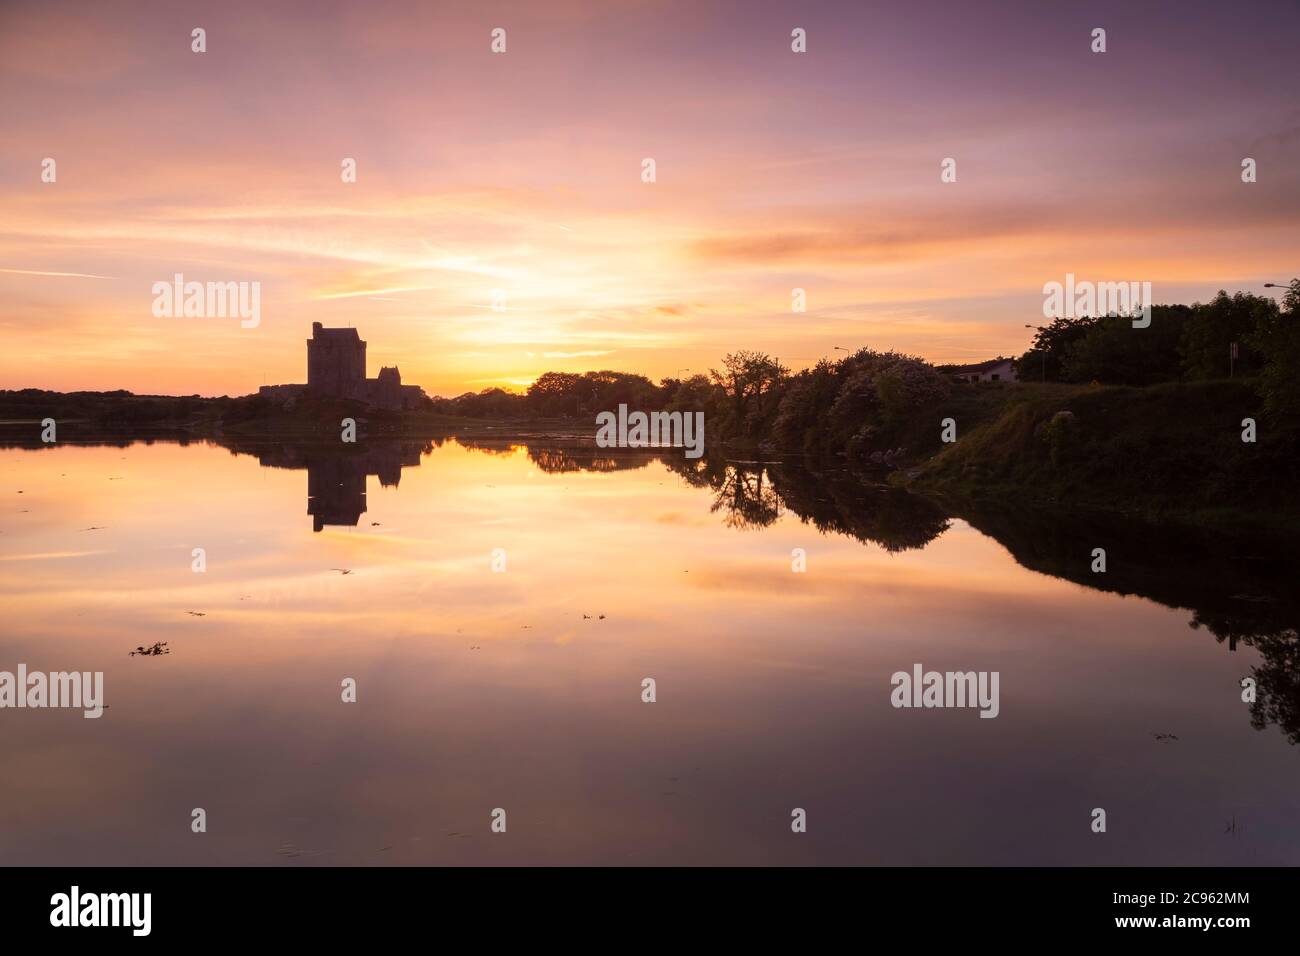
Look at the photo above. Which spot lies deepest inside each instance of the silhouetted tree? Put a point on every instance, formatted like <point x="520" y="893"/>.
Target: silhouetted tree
<point x="1214" y="326"/>
<point x="1277" y="339"/>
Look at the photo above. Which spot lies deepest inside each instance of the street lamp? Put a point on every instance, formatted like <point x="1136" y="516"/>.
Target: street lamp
<point x="1291" y="286"/>
<point x="1040" y="328"/>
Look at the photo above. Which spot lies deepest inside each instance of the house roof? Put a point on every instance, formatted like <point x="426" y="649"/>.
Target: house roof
<point x="980" y="366"/>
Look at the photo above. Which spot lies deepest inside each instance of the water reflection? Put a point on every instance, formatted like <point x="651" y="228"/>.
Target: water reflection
<point x="1240" y="588"/>
<point x="336" y="474"/>
<point x="483" y="689"/>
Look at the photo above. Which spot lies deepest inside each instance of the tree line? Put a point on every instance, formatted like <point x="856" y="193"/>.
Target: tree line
<point x="865" y="402"/>
<point x="1183" y="343"/>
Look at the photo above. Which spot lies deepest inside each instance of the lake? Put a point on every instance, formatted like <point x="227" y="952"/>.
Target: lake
<point x="499" y="605"/>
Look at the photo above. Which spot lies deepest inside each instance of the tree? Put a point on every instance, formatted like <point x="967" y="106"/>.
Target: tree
<point x="750" y="380"/>
<point x="555" y="393"/>
<point x="1212" y="329"/>
<point x="876" y="390"/>
<point x="1277" y="339"/>
<point x="1113" y="352"/>
<point x="1051" y="343"/>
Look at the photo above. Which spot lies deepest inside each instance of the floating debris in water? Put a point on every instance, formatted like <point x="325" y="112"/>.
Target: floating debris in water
<point x="154" y="650"/>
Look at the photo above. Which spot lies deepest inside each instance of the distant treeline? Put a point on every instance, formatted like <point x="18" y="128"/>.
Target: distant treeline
<point x="853" y="403"/>
<point x="1183" y="343"/>
<point x="123" y="410"/>
<point x="867" y="403"/>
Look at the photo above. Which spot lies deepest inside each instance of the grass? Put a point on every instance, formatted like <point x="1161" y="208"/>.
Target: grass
<point x="1168" y="451"/>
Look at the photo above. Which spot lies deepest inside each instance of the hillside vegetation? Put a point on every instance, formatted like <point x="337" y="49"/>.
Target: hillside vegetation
<point x="1163" y="450"/>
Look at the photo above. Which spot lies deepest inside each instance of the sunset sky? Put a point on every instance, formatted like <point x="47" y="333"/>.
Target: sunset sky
<point x="522" y="172"/>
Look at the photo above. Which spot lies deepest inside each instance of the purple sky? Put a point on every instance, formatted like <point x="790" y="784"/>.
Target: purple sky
<point x="521" y="172"/>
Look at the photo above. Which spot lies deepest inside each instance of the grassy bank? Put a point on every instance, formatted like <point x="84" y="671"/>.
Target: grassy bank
<point x="1169" y="451"/>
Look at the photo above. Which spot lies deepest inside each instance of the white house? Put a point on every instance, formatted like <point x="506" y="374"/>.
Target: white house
<point x="994" y="370"/>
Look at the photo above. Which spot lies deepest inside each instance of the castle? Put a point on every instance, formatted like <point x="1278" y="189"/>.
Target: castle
<point x="336" y="368"/>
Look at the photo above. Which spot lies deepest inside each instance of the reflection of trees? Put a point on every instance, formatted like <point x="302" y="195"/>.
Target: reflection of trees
<point x="27" y="443"/>
<point x="1277" y="680"/>
<point x="490" y="446"/>
<point x="1269" y="626"/>
<point x="556" y="461"/>
<point x="843" y="502"/>
<point x="755" y="494"/>
<point x="697" y="472"/>
<point x="1239" y="587"/>
<point x="745" y="500"/>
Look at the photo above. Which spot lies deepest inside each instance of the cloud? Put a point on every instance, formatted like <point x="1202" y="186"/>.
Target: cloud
<point x="74" y="275"/>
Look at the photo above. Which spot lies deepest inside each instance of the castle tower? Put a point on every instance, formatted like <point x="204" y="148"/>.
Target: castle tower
<point x="336" y="362"/>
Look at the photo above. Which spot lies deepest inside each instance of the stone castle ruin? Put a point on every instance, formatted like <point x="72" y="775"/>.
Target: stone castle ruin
<point x="336" y="368"/>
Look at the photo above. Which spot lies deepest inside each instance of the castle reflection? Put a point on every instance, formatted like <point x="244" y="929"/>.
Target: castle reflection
<point x="336" y="477"/>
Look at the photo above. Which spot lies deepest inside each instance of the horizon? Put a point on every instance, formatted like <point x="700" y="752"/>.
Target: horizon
<point x="521" y="390"/>
<point x="521" y="172"/>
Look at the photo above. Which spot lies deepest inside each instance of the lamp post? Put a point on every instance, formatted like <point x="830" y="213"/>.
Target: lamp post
<point x="1292" y="287"/>
<point x="1040" y="328"/>
<point x="1279" y="285"/>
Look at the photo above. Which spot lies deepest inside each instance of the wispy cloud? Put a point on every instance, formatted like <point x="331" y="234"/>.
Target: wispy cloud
<point x="71" y="275"/>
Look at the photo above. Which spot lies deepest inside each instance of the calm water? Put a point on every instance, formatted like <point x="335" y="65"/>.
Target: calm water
<point x="479" y="690"/>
